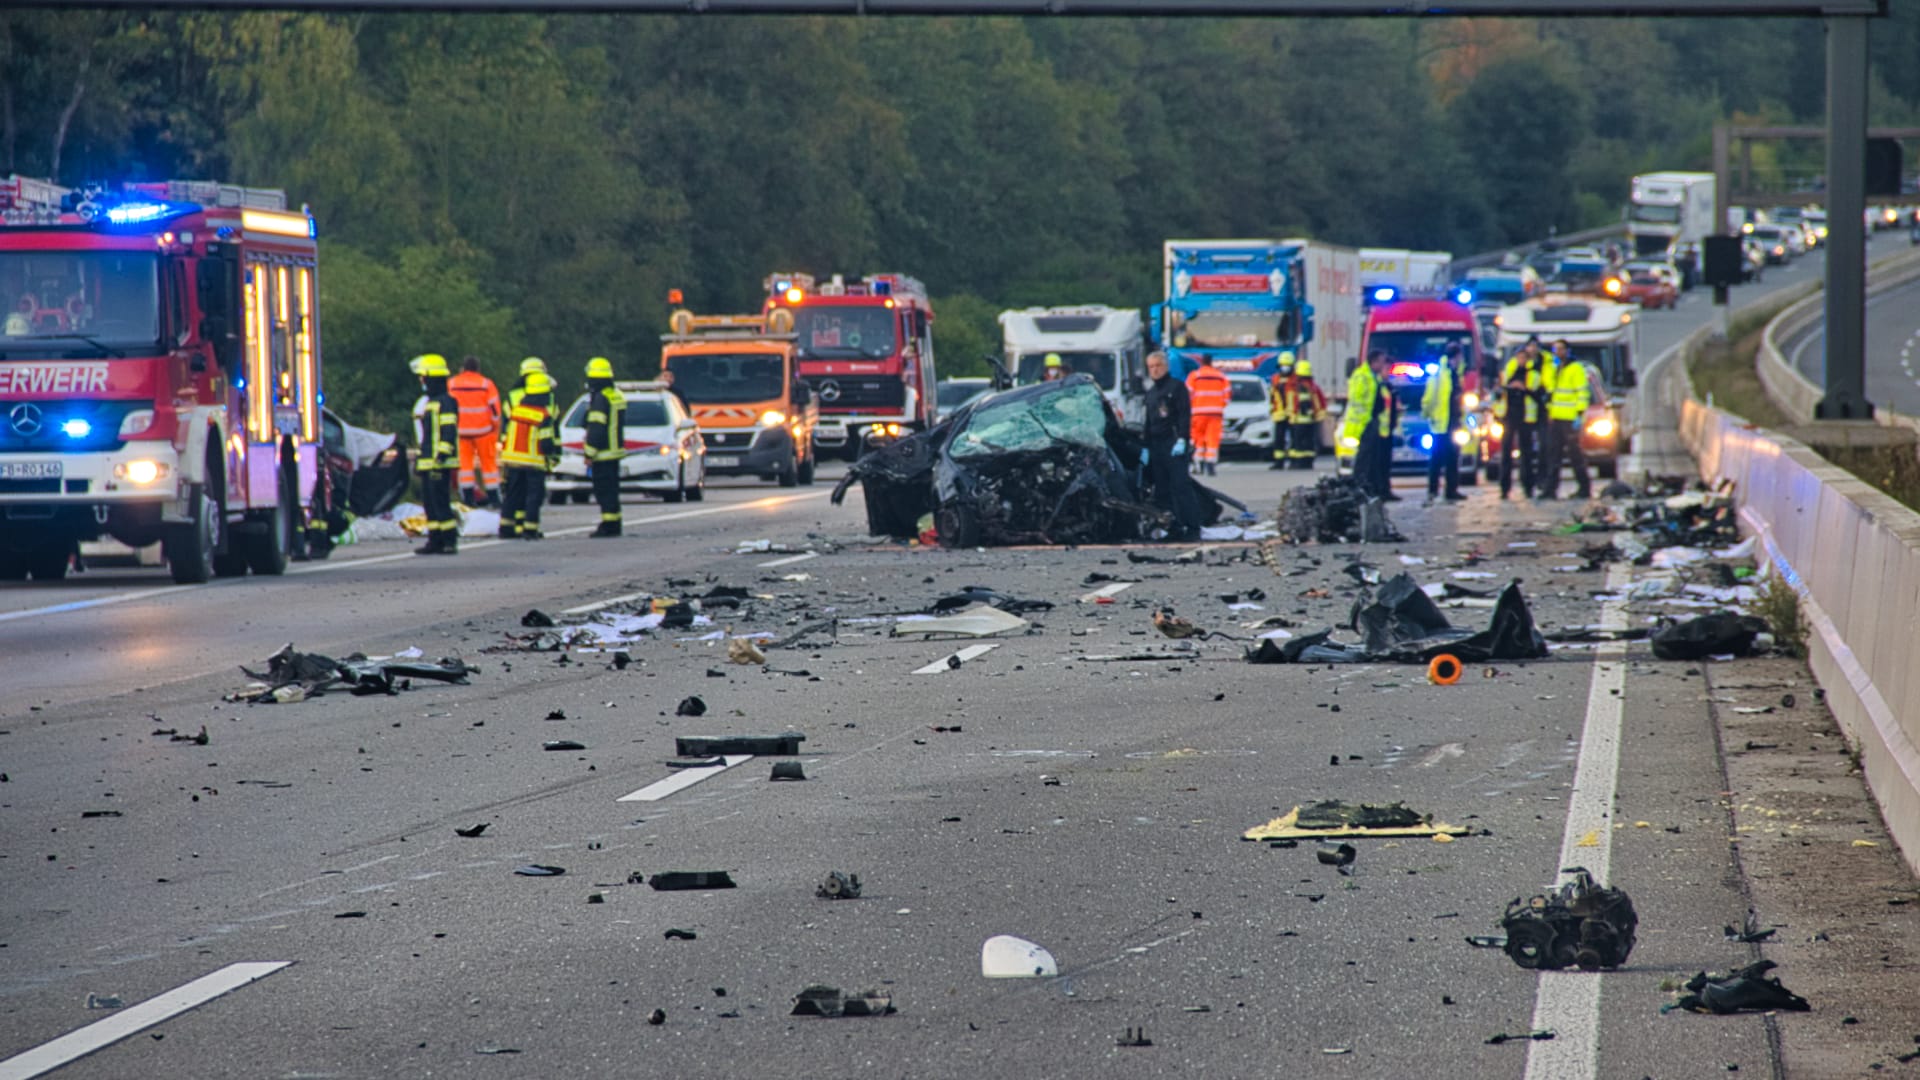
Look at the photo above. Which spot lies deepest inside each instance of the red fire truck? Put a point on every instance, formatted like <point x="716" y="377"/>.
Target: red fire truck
<point x="159" y="375"/>
<point x="866" y="349"/>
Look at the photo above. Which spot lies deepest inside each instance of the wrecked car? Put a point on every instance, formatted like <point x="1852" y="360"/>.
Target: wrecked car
<point x="365" y="474"/>
<point x="1049" y="464"/>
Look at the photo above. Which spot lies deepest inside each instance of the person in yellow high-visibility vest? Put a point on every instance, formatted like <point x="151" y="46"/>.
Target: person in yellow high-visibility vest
<point x="530" y="452"/>
<point x="1368" y="425"/>
<point x="1569" y="394"/>
<point x="1519" y="410"/>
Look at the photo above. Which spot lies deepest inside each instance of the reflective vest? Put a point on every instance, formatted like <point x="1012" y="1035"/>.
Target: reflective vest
<point x="1441" y="399"/>
<point x="1363" y="402"/>
<point x="606" y="425"/>
<point x="1572" y="393"/>
<point x="1295" y="399"/>
<point x="479" y="404"/>
<point x="529" y="442"/>
<point x="1208" y="391"/>
<point x="1529" y="375"/>
<point x="437" y="423"/>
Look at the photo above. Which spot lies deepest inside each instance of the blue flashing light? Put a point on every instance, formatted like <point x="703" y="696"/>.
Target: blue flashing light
<point x="781" y="286"/>
<point x="239" y="384"/>
<point x="1384" y="294"/>
<point x="135" y="213"/>
<point x="1463" y="296"/>
<point x="883" y="288"/>
<point x="77" y="428"/>
<point x="1426" y="442"/>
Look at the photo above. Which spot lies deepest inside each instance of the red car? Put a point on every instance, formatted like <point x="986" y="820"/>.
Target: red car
<point x="1649" y="290"/>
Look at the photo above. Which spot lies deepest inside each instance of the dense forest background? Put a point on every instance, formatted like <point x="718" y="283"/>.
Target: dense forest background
<point x="506" y="185"/>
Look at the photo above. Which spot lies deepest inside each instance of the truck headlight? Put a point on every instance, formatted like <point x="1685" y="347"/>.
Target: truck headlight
<point x="1601" y="428"/>
<point x="140" y="471"/>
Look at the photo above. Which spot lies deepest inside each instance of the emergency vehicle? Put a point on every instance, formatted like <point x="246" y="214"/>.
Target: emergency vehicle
<point x="159" y="375"/>
<point x="1604" y="335"/>
<point x="1106" y="343"/>
<point x="1414" y="332"/>
<point x="865" y="348"/>
<point x="738" y="375"/>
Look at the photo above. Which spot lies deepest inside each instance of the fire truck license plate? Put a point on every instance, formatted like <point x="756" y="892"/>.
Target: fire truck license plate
<point x="30" y="470"/>
<point x="724" y="461"/>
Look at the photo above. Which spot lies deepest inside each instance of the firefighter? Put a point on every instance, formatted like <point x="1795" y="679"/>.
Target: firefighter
<point x="479" y="402"/>
<point x="1442" y="403"/>
<point x="531" y="450"/>
<point x="1518" y="409"/>
<point x="437" y="423"/>
<point x="1368" y="425"/>
<point x="527" y="367"/>
<point x="1168" y="424"/>
<point x="606" y="442"/>
<point x="1306" y="407"/>
<point x="1280" y="408"/>
<point x="1053" y="369"/>
<point x="1569" y="394"/>
<point x="1207" y="394"/>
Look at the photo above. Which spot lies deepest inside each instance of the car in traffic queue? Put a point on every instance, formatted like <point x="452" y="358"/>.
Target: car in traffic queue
<point x="1776" y="242"/>
<point x="950" y="394"/>
<point x="1247" y="426"/>
<point x="1648" y="289"/>
<point x="665" y="454"/>
<point x="1816" y="222"/>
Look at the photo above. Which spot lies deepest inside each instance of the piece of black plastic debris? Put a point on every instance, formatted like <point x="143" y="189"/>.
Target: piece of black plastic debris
<point x="537" y="870"/>
<point x="657" y="1017"/>
<point x="828" y="1001"/>
<point x="691" y="705"/>
<point x="676" y="934"/>
<point x="1283" y="842"/>
<point x="349" y="914"/>
<point x="784" y="744"/>
<point x="557" y="714"/>
<point x="681" y="880"/>
<point x="1536" y="1036"/>
<point x="1134" y="1037"/>
<point x="1333" y="759"/>
<point x="715" y="673"/>
<point x="621" y="659"/>
<point x="1751" y="934"/>
<point x="695" y="763"/>
<point x="562" y="744"/>
<point x="1749" y="988"/>
<point x="1787" y="701"/>
<point x="596" y="898"/>
<point x="947" y="729"/>
<point x="1718" y="634"/>
<point x="953" y="661"/>
<point x="536" y="619"/>
<point x="1487" y="941"/>
<point x="1335" y="854"/>
<point x="101" y="813"/>
<point x="1580" y="923"/>
<point x="787" y="770"/>
<point x="839" y="886"/>
<point x="470" y="833"/>
<point x="491" y="1049"/>
<point x="719" y="991"/>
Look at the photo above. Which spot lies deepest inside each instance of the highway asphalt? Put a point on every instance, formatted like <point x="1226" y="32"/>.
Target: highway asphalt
<point x="1094" y="806"/>
<point x="1892" y="337"/>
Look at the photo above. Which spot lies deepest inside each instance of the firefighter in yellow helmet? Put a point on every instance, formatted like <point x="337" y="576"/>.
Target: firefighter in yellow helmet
<point x="606" y="442"/>
<point x="1306" y="406"/>
<point x="527" y="367"/>
<point x="437" y="424"/>
<point x="531" y="450"/>
<point x="1053" y="369"/>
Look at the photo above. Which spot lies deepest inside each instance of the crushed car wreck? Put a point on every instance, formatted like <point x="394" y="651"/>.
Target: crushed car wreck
<point x="1048" y="464"/>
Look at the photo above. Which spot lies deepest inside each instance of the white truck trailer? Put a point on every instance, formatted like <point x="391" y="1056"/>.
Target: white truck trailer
<point x="1092" y="339"/>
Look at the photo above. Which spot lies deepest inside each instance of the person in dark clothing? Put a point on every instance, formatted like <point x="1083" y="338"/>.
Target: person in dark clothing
<point x="1169" y="418"/>
<point x="437" y="425"/>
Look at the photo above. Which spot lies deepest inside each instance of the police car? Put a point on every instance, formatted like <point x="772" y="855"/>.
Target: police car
<point x="665" y="454"/>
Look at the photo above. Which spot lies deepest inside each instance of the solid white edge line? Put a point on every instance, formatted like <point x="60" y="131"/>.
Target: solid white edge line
<point x="679" y="781"/>
<point x="971" y="652"/>
<point x="131" y="1021"/>
<point x="1114" y="589"/>
<point x="767" y="503"/>
<point x="789" y="560"/>
<point x="1568" y="1002"/>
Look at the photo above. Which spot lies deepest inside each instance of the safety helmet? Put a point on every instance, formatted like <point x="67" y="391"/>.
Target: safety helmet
<point x="532" y="364"/>
<point x="1303" y="368"/>
<point x="1053" y="359"/>
<point x="539" y="383"/>
<point x="599" y="368"/>
<point x="429" y="366"/>
<point x="1286" y="358"/>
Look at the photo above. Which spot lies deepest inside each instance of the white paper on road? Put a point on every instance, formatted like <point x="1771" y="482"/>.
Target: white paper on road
<point x="1675" y="557"/>
<point x="1236" y="532"/>
<point x="981" y="620"/>
<point x="1472" y="575"/>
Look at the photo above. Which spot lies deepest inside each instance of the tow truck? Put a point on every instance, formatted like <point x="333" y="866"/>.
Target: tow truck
<point x="865" y="349"/>
<point x="738" y="374"/>
<point x="1605" y="336"/>
<point x="159" y="375"/>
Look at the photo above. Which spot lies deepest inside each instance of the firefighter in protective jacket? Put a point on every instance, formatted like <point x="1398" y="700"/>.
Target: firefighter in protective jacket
<point x="531" y="450"/>
<point x="437" y="424"/>
<point x="1297" y="406"/>
<point x="606" y="442"/>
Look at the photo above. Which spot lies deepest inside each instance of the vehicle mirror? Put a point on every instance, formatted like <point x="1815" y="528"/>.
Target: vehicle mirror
<point x="218" y="333"/>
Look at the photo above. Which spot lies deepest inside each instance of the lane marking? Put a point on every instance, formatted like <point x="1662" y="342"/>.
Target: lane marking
<point x="769" y="503"/>
<point x="1114" y="589"/>
<point x="789" y="560"/>
<point x="1569" y="1002"/>
<point x="945" y="663"/>
<point x="131" y="1021"/>
<point x="679" y="781"/>
<point x="598" y="604"/>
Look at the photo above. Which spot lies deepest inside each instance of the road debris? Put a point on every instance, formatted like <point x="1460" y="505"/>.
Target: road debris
<point x="562" y="744"/>
<point x="471" y="831"/>
<point x="742" y="651"/>
<point x="1004" y="956"/>
<point x="1718" y="634"/>
<point x="691" y="706"/>
<point x="537" y="870"/>
<point x="983" y="620"/>
<point x="295" y="676"/>
<point x="536" y="619"/>
<point x="1579" y="923"/>
<point x="1339" y="855"/>
<point x="1334" y="819"/>
<point x="785" y="744"/>
<point x="674" y="934"/>
<point x="1748" y="989"/>
<point x="690" y="880"/>
<point x="786" y="770"/>
<point x="1401" y="624"/>
<point x="1134" y="1037"/>
<point x="1336" y="510"/>
<point x="839" y="886"/>
<point x="1536" y="1036"/>
<point x="828" y="1001"/>
<point x="980" y="594"/>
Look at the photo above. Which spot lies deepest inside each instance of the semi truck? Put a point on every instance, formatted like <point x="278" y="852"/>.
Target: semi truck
<point x="1605" y="336"/>
<point x="865" y="349"/>
<point x="1403" y="271"/>
<point x="160" y="375"/>
<point x="1671" y="213"/>
<point x="1244" y="302"/>
<point x="1106" y="343"/>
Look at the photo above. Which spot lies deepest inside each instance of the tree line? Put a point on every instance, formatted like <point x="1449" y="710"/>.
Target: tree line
<point x="507" y="185"/>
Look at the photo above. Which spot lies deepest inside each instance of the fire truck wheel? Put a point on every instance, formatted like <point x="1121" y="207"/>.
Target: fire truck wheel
<point x="266" y="551"/>
<point x="47" y="563"/>
<point x="190" y="547"/>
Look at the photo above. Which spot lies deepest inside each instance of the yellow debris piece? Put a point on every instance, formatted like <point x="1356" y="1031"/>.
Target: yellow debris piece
<point x="1643" y="824"/>
<point x="1442" y="838"/>
<point x="1286" y="827"/>
<point x="1592" y="839"/>
<point x="1865" y="843"/>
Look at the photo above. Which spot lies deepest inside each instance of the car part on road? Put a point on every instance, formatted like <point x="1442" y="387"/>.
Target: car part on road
<point x="537" y="870"/>
<point x="742" y="651"/>
<point x="1004" y="956"/>
<point x="314" y="674"/>
<point x="1336" y="510"/>
<point x="828" y="1001"/>
<point x="691" y="705"/>
<point x="562" y="744"/>
<point x="676" y="934"/>
<point x="471" y="831"/>
<point x="839" y="886"/>
<point x="1536" y="1036"/>
<point x="785" y="744"/>
<point x="1580" y="923"/>
<point x="1334" y="819"/>
<point x="1748" y="989"/>
<point x="787" y="770"/>
<point x="980" y="594"/>
<point x="1134" y="1037"/>
<point x="1718" y="634"/>
<point x="536" y="618"/>
<point x="690" y="880"/>
<point x="1444" y="670"/>
<point x="1400" y="623"/>
<point x="1340" y="855"/>
<point x="975" y="622"/>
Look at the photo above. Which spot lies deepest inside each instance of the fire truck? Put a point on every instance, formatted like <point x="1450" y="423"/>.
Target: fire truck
<point x="159" y="375"/>
<point x="866" y="350"/>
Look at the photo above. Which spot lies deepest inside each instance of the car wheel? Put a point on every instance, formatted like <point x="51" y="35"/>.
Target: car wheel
<point x="679" y="492"/>
<point x="806" y="469"/>
<point x="790" y="475"/>
<point x="957" y="526"/>
<point x="697" y="493"/>
<point x="581" y="498"/>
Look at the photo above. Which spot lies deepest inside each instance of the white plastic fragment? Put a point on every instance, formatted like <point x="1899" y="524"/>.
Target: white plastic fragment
<point x="1004" y="956"/>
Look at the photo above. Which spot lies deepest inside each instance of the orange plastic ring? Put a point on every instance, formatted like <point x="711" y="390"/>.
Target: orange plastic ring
<point x="1444" y="670"/>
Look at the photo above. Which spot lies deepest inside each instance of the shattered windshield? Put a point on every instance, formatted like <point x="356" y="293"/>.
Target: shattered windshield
<point x="844" y="333"/>
<point x="1075" y="415"/>
<point x="77" y="304"/>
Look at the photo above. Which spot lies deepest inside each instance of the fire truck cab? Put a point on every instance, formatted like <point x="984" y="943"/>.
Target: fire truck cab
<point x="738" y="376"/>
<point x="865" y="348"/>
<point x="159" y="375"/>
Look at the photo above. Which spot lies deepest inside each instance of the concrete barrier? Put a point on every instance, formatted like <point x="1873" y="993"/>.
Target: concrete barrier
<point x="1853" y="554"/>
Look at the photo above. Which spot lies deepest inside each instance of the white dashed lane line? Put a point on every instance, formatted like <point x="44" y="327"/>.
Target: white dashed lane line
<point x="954" y="660"/>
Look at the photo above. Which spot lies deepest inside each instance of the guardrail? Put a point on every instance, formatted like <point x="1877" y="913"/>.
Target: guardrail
<point x="1794" y="393"/>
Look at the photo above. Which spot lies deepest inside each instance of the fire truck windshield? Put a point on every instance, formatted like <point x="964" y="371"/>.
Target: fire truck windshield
<point x="830" y="332"/>
<point x="77" y="304"/>
<point x="1420" y="346"/>
<point x="729" y="379"/>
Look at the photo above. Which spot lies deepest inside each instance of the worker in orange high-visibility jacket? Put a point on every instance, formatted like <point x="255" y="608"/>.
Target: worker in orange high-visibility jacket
<point x="479" y="402"/>
<point x="1208" y="391"/>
